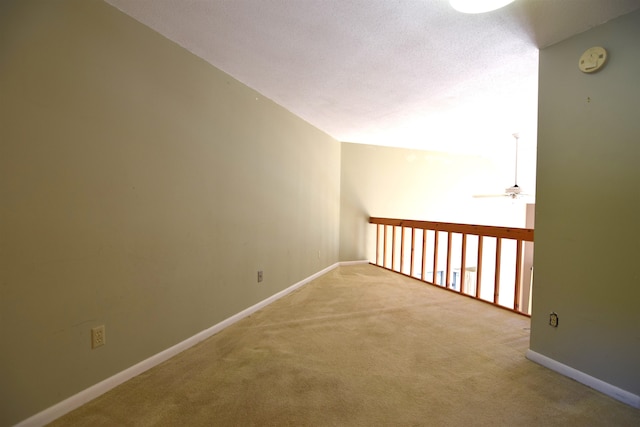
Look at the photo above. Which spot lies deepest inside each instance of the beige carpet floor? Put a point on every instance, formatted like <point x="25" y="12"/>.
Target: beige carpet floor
<point x="360" y="346"/>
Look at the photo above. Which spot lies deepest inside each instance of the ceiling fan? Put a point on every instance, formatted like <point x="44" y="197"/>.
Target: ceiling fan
<point x="513" y="192"/>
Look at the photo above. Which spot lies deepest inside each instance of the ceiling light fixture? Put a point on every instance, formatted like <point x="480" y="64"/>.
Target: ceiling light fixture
<point x="478" y="6"/>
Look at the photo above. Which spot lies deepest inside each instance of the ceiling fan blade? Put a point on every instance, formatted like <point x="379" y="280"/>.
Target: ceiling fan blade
<point x="485" y="196"/>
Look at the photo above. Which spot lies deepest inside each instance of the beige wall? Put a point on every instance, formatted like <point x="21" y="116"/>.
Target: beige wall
<point x="588" y="207"/>
<point x="141" y="189"/>
<point x="431" y="186"/>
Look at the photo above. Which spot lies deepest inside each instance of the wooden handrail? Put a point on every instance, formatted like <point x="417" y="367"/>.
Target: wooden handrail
<point x="525" y="234"/>
<point x="466" y="285"/>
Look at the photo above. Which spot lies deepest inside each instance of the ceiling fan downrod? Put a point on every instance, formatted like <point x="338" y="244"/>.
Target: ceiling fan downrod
<point x="517" y="137"/>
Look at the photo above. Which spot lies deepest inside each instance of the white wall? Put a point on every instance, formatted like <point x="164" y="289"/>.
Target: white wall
<point x="588" y="206"/>
<point x="141" y="189"/>
<point x="423" y="185"/>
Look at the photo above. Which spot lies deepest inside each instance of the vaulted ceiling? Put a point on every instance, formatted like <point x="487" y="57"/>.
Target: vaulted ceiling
<point x="409" y="73"/>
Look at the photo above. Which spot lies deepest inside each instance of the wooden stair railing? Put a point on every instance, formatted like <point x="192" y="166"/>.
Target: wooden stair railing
<point x="425" y="239"/>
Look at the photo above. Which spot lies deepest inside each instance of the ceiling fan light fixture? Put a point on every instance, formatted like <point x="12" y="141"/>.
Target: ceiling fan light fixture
<point x="514" y="190"/>
<point x="478" y="6"/>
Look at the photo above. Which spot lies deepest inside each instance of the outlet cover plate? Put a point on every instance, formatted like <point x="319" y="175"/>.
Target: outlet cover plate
<point x="98" y="337"/>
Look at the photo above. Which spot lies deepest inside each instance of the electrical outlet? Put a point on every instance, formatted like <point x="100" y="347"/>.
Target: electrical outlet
<point x="98" y="337"/>
<point x="259" y="276"/>
<point x="553" y="319"/>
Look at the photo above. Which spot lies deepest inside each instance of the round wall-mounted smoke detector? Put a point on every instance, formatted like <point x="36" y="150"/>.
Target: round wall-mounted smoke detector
<point x="592" y="59"/>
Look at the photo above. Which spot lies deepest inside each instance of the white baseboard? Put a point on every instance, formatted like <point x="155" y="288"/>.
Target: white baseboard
<point x="364" y="261"/>
<point x="603" y="387"/>
<point x="56" y="411"/>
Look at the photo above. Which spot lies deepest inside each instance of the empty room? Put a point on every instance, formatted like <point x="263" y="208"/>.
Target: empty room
<point x="319" y="212"/>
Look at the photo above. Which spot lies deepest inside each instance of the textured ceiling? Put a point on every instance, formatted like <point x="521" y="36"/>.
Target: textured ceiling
<point x="409" y="73"/>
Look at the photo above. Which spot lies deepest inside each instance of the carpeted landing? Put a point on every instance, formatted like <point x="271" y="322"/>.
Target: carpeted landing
<point x="360" y="346"/>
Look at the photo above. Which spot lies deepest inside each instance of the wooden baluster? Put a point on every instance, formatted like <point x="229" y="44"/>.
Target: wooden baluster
<point x="518" y="281"/>
<point x="496" y="289"/>
<point x="393" y="249"/>
<point x="377" y="244"/>
<point x="424" y="255"/>
<point x="449" y="240"/>
<point x="479" y="268"/>
<point x="463" y="264"/>
<point x="413" y="243"/>
<point x="384" y="253"/>
<point x="402" y="229"/>
<point x="435" y="257"/>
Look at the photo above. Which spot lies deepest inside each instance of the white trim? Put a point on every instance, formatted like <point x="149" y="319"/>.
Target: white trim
<point x="56" y="411"/>
<point x="603" y="387"/>
<point x="364" y="261"/>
